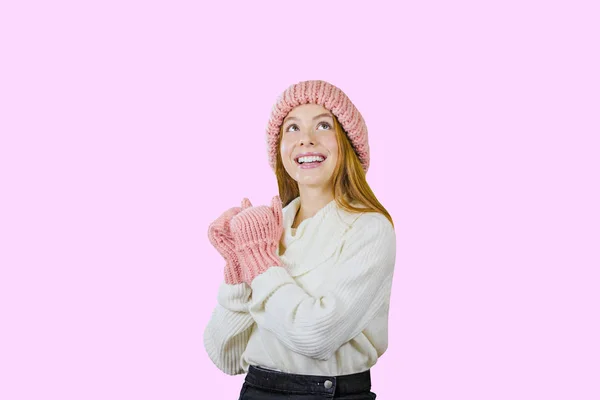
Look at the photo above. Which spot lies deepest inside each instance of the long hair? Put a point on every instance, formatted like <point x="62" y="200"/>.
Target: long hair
<point x="349" y="178"/>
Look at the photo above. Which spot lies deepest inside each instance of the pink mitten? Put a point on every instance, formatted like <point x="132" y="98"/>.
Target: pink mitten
<point x="219" y="234"/>
<point x="256" y="232"/>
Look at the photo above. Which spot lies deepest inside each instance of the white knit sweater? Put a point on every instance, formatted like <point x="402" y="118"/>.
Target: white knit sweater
<point x="325" y="312"/>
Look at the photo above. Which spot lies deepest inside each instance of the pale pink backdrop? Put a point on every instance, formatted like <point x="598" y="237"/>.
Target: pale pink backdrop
<point x="127" y="127"/>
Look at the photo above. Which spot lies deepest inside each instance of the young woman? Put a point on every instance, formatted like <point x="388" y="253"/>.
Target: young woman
<point x="303" y="309"/>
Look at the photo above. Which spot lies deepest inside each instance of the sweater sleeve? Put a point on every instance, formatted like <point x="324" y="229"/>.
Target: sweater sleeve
<point x="228" y="330"/>
<point x="316" y="326"/>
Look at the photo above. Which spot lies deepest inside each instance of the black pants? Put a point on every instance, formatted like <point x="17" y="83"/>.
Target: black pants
<point x="265" y="384"/>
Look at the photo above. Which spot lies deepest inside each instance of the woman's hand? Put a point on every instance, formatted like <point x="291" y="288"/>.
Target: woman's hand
<point x="219" y="235"/>
<point x="256" y="233"/>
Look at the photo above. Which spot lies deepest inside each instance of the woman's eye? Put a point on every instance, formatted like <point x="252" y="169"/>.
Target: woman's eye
<point x="294" y="127"/>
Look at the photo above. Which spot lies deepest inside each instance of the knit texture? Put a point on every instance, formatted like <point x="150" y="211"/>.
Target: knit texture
<point x="219" y="235"/>
<point x="328" y="96"/>
<point x="325" y="310"/>
<point x="229" y="328"/>
<point x="256" y="232"/>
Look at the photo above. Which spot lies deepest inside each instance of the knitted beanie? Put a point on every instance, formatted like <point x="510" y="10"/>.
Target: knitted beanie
<point x="328" y="96"/>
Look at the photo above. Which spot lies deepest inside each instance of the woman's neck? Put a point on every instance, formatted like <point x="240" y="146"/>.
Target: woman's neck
<point x="311" y="201"/>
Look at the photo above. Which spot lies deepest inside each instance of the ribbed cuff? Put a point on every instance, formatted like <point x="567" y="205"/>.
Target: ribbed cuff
<point x="256" y="260"/>
<point x="234" y="297"/>
<point x="233" y="271"/>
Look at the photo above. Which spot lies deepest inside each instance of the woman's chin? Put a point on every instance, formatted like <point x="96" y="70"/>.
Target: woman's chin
<point x="312" y="181"/>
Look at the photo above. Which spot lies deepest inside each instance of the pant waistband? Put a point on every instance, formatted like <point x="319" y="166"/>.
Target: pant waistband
<point x="282" y="381"/>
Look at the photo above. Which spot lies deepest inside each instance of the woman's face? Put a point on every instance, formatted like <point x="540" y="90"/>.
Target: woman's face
<point x="308" y="129"/>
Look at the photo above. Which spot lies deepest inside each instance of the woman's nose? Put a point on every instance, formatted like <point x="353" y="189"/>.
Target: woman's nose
<point x="307" y="137"/>
<point x="306" y="142"/>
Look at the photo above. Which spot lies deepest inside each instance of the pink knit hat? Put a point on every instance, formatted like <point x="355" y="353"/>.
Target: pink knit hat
<point x="328" y="96"/>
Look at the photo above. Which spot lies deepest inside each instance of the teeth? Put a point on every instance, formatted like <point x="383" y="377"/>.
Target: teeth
<point x="302" y="160"/>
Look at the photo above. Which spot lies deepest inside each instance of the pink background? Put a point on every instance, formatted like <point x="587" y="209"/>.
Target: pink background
<point x="127" y="127"/>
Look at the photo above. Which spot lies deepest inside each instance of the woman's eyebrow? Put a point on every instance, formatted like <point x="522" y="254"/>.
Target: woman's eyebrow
<point x="317" y="117"/>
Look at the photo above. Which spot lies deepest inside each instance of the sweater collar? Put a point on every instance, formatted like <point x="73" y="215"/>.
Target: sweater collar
<point x="316" y="238"/>
<point x="290" y="211"/>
